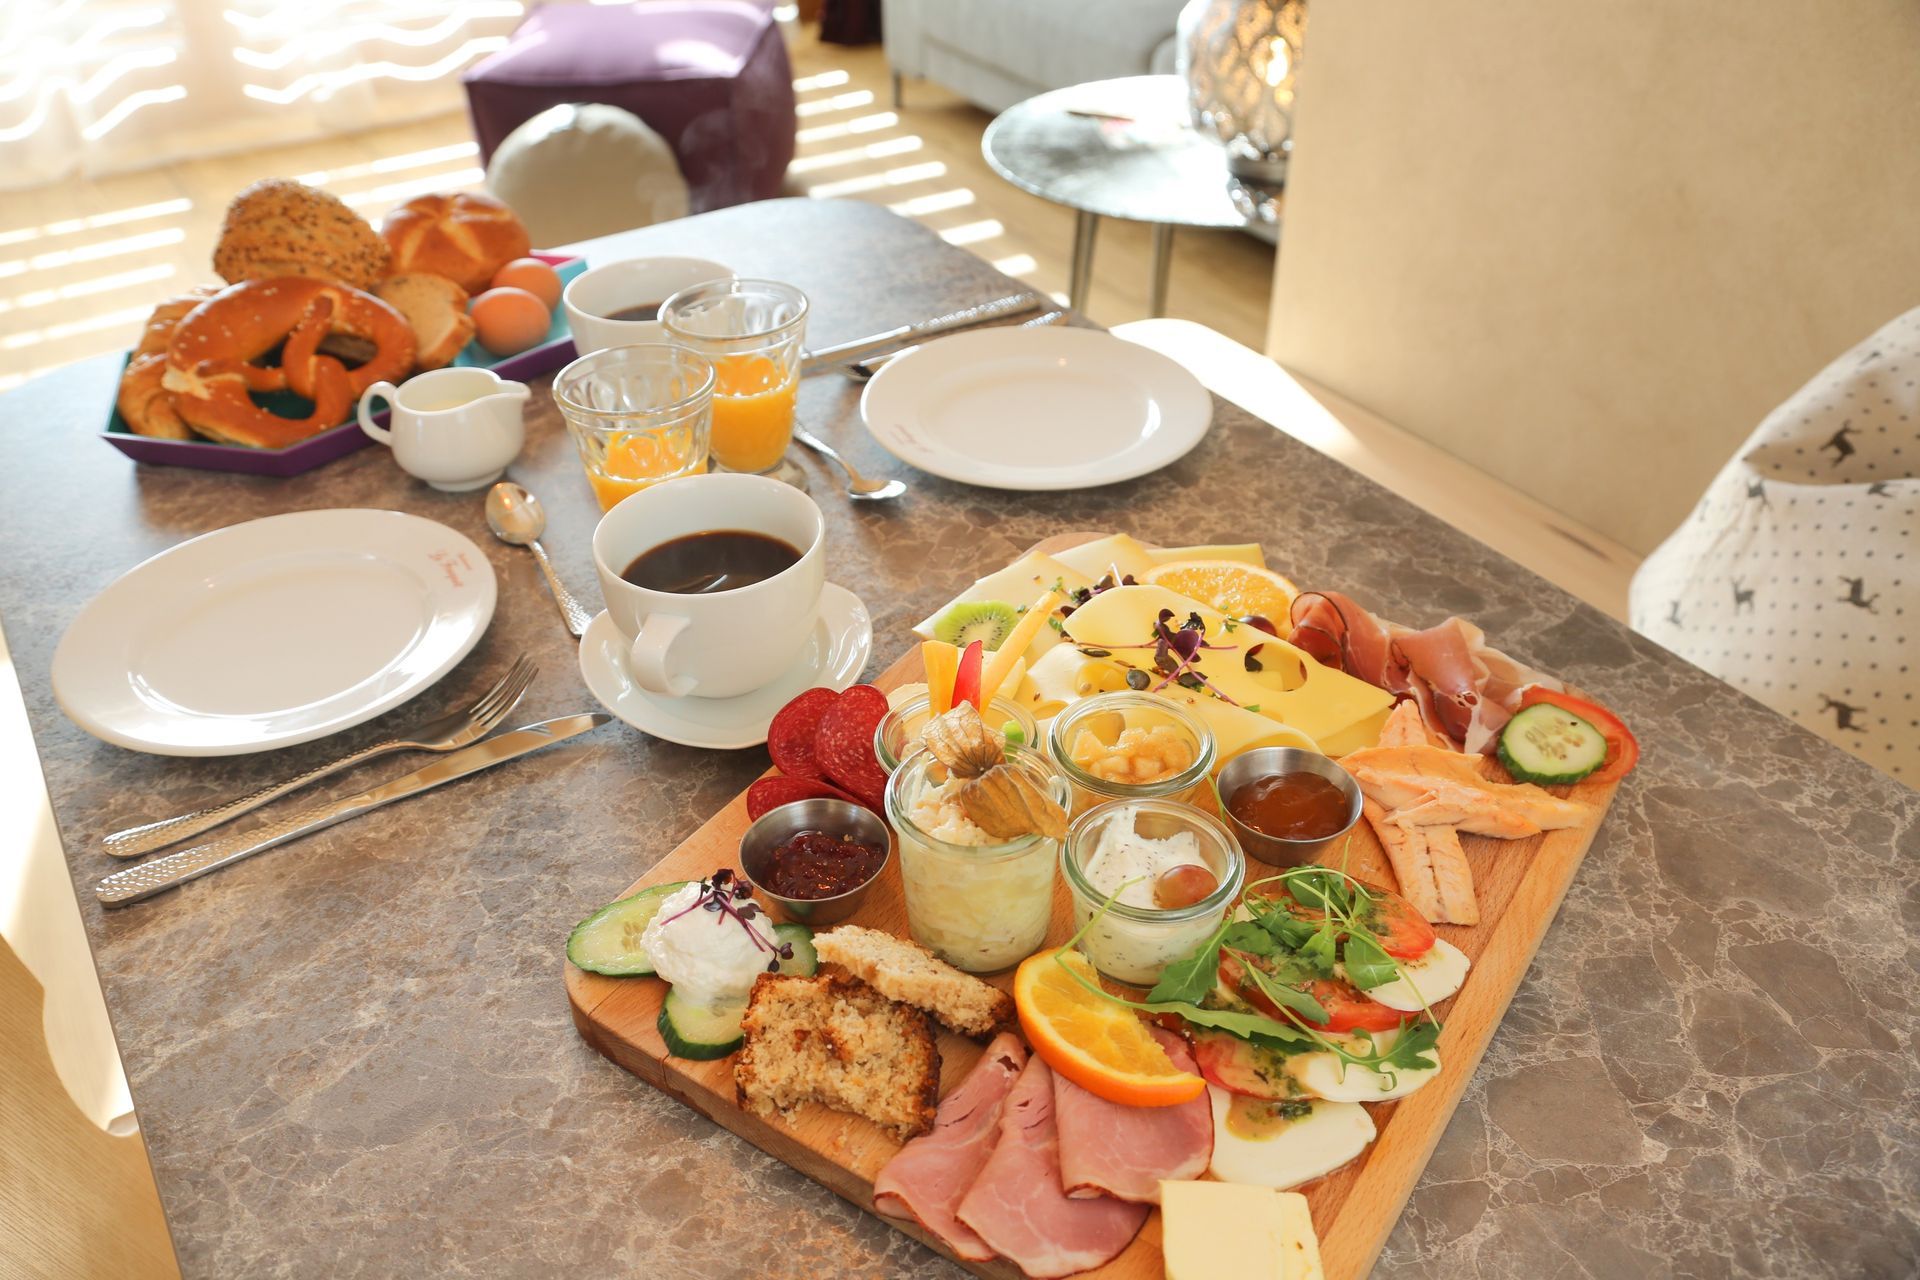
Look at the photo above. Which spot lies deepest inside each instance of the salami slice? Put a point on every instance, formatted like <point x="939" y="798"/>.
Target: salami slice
<point x="844" y="743"/>
<point x="790" y="737"/>
<point x="772" y="792"/>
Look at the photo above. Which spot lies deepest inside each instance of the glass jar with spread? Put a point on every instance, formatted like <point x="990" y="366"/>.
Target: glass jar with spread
<point x="979" y="903"/>
<point x="1173" y="871"/>
<point x="899" y="733"/>
<point x="1130" y="746"/>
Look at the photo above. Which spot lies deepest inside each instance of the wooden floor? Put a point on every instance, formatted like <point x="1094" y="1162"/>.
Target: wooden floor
<point x="82" y="262"/>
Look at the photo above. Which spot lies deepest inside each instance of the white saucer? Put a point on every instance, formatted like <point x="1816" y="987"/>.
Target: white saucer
<point x="835" y="655"/>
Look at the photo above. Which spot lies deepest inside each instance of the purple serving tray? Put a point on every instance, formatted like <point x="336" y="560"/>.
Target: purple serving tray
<point x="337" y="442"/>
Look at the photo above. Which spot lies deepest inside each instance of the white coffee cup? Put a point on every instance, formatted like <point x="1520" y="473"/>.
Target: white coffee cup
<point x="723" y="643"/>
<point x="595" y="293"/>
<point x="457" y="429"/>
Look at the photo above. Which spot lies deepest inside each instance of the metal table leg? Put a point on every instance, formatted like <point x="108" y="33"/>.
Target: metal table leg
<point x="1080" y="280"/>
<point x="1162" y="268"/>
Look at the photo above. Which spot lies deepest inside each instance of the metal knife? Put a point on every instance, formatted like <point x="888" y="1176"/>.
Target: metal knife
<point x="1013" y="304"/>
<point x="863" y="370"/>
<point x="124" y="888"/>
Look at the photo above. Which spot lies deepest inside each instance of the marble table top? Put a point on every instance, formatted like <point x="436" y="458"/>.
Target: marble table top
<point x="353" y="1057"/>
<point x="1122" y="148"/>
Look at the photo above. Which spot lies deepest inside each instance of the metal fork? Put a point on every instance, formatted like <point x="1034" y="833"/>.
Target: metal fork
<point x="445" y="733"/>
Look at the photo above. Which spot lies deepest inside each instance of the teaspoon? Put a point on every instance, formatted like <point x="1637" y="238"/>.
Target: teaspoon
<point x="516" y="517"/>
<point x="858" y="486"/>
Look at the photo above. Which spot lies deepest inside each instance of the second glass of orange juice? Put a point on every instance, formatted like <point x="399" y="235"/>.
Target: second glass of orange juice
<point x="638" y="415"/>
<point x="752" y="331"/>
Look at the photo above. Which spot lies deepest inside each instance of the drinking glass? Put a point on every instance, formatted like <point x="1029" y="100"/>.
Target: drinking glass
<point x="638" y="415"/>
<point x="751" y="330"/>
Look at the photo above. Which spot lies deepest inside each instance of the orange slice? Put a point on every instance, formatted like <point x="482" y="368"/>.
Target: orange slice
<point x="1098" y="1045"/>
<point x="1233" y="587"/>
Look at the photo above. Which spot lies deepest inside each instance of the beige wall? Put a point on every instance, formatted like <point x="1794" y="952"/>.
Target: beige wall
<point x="1586" y="247"/>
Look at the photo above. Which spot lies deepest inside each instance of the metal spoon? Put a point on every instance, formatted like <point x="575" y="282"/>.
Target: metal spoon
<point x="516" y="517"/>
<point x="858" y="486"/>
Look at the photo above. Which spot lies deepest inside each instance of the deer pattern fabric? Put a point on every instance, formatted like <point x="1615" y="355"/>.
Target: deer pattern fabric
<point x="1797" y="577"/>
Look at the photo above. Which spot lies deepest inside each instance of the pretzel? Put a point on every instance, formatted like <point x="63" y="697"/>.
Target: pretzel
<point x="211" y="360"/>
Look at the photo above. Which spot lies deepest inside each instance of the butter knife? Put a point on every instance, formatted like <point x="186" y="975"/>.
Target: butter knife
<point x="863" y="370"/>
<point x="124" y="888"/>
<point x="1013" y="304"/>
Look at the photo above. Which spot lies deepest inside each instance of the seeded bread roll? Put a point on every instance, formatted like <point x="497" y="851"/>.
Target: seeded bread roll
<point x="903" y="970"/>
<point x="840" y="1043"/>
<point x="279" y="227"/>
<point x="436" y="307"/>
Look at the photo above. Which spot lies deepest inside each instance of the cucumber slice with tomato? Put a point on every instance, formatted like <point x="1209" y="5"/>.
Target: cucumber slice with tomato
<point x="804" y="961"/>
<point x="699" y="1031"/>
<point x="608" y="941"/>
<point x="1549" y="744"/>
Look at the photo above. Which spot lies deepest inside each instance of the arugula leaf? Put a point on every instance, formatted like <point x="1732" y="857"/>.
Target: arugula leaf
<point x="1412" y="1049"/>
<point x="1318" y="951"/>
<point x="1286" y="997"/>
<point x="1368" y="965"/>
<point x="1188" y="980"/>
<point x="1246" y="935"/>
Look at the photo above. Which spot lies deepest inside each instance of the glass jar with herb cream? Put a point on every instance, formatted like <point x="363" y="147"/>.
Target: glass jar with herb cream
<point x="979" y="903"/>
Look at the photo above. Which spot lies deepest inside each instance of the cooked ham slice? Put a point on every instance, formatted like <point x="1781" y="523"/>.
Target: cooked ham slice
<point x="1016" y="1204"/>
<point x="1126" y="1151"/>
<point x="927" y="1178"/>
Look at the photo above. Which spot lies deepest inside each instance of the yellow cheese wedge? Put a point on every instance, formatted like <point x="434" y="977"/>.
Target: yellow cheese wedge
<point x="1014" y="647"/>
<point x="1246" y="552"/>
<point x="942" y="662"/>
<point x="1226" y="1231"/>
<point x="1094" y="560"/>
<point x="1022" y="580"/>
<point x="1236" y="729"/>
<point x="1325" y="702"/>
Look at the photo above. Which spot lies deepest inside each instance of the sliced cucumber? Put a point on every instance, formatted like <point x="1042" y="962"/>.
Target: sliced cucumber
<point x="804" y="960"/>
<point x="698" y="1031"/>
<point x="608" y="941"/>
<point x="1549" y="744"/>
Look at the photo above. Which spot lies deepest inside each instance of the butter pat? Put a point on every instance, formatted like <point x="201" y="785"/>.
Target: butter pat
<point x="1225" y="1231"/>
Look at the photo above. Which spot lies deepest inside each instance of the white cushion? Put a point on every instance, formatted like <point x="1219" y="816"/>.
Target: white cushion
<point x="575" y="172"/>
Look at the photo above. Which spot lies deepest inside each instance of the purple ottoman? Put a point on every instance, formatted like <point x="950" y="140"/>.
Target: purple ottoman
<point x="710" y="76"/>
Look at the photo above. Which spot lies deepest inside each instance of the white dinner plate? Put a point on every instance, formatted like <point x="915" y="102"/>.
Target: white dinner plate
<point x="1035" y="409"/>
<point x="273" y="632"/>
<point x="835" y="654"/>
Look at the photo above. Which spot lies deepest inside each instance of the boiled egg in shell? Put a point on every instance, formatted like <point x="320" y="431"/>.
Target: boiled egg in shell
<point x="1271" y="1152"/>
<point x="1324" y="1075"/>
<point x="1435" y="975"/>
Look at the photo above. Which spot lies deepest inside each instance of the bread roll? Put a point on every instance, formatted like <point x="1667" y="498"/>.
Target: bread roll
<point x="463" y="236"/>
<point x="436" y="307"/>
<point x="279" y="227"/>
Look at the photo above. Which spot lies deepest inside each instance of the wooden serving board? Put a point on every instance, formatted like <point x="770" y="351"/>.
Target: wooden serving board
<point x="1519" y="883"/>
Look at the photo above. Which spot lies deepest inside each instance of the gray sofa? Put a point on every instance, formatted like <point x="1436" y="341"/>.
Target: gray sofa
<point x="998" y="52"/>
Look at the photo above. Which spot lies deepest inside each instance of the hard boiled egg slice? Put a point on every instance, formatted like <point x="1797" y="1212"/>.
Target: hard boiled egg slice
<point x="1435" y="975"/>
<point x="1324" y="1075"/>
<point x="1253" y="1145"/>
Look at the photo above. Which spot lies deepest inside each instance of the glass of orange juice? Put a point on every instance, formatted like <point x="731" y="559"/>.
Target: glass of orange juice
<point x="638" y="415"/>
<point x="752" y="331"/>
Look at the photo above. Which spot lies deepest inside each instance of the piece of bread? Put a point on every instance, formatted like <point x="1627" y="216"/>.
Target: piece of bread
<point x="903" y="970"/>
<point x="145" y="404"/>
<point x="167" y="317"/>
<point x="436" y="307"/>
<point x="840" y="1043"/>
<point x="279" y="227"/>
<point x="464" y="236"/>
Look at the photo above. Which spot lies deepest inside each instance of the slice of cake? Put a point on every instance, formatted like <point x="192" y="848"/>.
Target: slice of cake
<point x="840" y="1043"/>
<point x="904" y="970"/>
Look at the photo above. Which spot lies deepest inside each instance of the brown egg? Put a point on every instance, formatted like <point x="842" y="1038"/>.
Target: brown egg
<point x="509" y="320"/>
<point x="533" y="275"/>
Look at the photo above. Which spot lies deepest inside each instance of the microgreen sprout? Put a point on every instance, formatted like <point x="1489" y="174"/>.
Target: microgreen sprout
<point x="730" y="896"/>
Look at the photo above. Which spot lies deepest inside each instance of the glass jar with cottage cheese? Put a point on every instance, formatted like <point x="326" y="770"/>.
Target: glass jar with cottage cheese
<point x="979" y="903"/>
<point x="1130" y="746"/>
<point x="1136" y="849"/>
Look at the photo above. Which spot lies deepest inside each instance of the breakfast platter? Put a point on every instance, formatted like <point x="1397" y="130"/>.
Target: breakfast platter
<point x="1439" y="737"/>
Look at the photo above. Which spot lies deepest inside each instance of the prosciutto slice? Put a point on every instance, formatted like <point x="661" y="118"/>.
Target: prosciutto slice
<point x="1017" y="1206"/>
<point x="1126" y="1151"/>
<point x="927" y="1178"/>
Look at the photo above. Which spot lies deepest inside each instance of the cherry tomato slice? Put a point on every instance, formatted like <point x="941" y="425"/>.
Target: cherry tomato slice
<point x="1402" y="931"/>
<point x="1623" y="749"/>
<point x="1348" y="1008"/>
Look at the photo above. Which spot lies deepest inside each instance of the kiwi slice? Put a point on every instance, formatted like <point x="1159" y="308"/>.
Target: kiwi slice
<point x="991" y="621"/>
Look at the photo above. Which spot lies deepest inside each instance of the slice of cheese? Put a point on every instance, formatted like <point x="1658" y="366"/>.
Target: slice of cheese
<point x="1094" y="560"/>
<point x="1325" y="702"/>
<point x="1245" y="552"/>
<point x="1014" y="585"/>
<point x="1225" y="1231"/>
<point x="1236" y="729"/>
<point x="1014" y="648"/>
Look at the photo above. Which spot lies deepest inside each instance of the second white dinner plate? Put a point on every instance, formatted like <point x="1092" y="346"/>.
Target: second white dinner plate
<point x="1036" y="409"/>
<point x="273" y="632"/>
